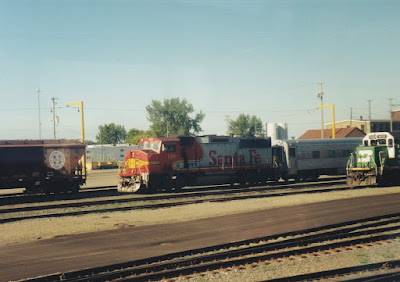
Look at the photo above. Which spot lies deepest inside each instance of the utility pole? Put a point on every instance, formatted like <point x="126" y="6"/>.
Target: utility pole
<point x="333" y="117"/>
<point x="53" y="102"/>
<point x="40" y="123"/>
<point x="369" y="115"/>
<point x="351" y="116"/>
<point x="321" y="95"/>
<point x="390" y="111"/>
<point x="167" y="128"/>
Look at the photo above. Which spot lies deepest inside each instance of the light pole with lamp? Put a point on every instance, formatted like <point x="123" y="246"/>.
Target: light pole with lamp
<point x="333" y="117"/>
<point x="80" y="104"/>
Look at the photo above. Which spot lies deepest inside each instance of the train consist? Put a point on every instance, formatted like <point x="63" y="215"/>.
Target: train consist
<point x="376" y="161"/>
<point x="45" y="166"/>
<point x="167" y="163"/>
<point x="180" y="161"/>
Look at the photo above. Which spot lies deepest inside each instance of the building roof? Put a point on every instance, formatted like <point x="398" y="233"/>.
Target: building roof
<point x="339" y="133"/>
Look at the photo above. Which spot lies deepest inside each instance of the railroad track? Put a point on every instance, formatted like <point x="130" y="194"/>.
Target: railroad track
<point x="111" y="191"/>
<point x="137" y="202"/>
<point x="250" y="253"/>
<point x="391" y="267"/>
<point x="86" y="193"/>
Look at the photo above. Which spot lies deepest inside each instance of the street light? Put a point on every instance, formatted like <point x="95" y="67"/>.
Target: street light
<point x="320" y="95"/>
<point x="80" y="104"/>
<point x="333" y="117"/>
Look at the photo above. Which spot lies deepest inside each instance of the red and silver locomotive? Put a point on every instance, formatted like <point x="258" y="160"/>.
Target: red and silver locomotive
<point x="174" y="162"/>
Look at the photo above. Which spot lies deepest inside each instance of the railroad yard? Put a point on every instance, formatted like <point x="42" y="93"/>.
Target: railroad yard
<point x="176" y="141"/>
<point x="70" y="231"/>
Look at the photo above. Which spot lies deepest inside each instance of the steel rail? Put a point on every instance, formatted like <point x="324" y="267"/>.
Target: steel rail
<point x="197" y="265"/>
<point x="20" y="198"/>
<point x="391" y="276"/>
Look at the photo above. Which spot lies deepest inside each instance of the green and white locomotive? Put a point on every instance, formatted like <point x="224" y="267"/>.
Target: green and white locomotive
<point x="376" y="161"/>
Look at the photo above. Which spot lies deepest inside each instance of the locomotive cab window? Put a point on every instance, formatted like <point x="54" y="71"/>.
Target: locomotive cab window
<point x="150" y="146"/>
<point x="170" y="148"/>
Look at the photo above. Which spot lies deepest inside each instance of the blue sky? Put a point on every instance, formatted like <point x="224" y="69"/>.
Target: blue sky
<point x="226" y="57"/>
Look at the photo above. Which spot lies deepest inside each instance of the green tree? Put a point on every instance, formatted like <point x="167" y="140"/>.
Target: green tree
<point x="246" y="125"/>
<point x="134" y="135"/>
<point x="171" y="117"/>
<point x="111" y="134"/>
<point x="256" y="126"/>
<point x="89" y="142"/>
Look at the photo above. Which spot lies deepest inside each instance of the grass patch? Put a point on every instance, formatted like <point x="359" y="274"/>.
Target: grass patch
<point x="362" y="257"/>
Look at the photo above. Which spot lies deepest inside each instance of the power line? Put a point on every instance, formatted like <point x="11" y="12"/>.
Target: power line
<point x="53" y="100"/>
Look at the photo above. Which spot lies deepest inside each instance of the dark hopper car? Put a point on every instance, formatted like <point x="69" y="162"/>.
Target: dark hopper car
<point x="45" y="166"/>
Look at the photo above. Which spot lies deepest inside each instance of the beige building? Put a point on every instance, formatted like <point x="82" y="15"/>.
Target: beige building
<point x="375" y="125"/>
<point x="396" y="115"/>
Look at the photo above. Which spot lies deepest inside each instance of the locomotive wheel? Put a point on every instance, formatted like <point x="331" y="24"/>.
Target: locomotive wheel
<point x="350" y="182"/>
<point x="32" y="190"/>
<point x="74" y="188"/>
<point x="179" y="183"/>
<point x="149" y="188"/>
<point x="137" y="186"/>
<point x="132" y="186"/>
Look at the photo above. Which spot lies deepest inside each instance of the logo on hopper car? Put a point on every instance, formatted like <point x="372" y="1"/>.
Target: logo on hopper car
<point x="57" y="159"/>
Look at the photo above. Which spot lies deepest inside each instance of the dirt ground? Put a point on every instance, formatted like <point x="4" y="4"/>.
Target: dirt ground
<point x="39" y="229"/>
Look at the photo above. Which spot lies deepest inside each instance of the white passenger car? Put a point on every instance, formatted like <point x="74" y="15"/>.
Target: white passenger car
<point x="310" y="158"/>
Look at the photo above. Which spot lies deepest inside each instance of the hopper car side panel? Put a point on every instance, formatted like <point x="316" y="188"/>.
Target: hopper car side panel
<point x="41" y="166"/>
